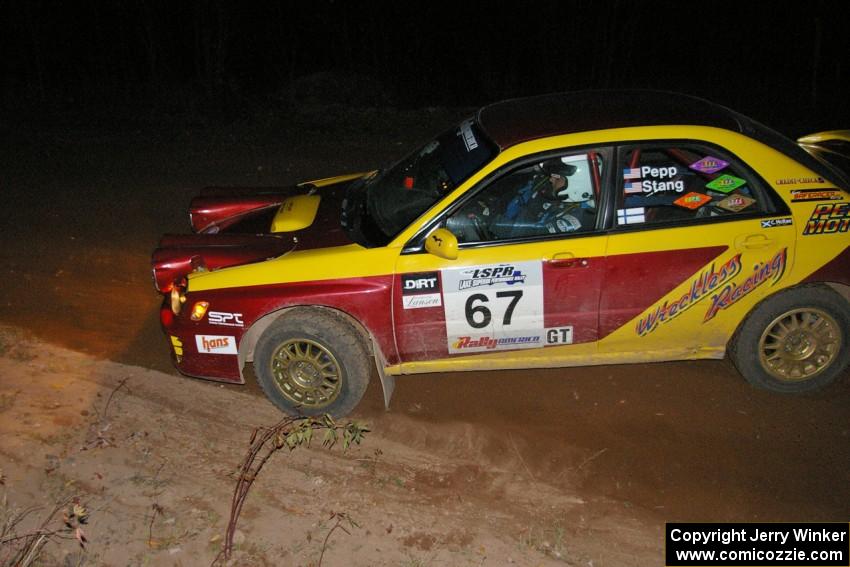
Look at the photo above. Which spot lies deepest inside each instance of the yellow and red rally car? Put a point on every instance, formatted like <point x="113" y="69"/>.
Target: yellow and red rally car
<point x="561" y="230"/>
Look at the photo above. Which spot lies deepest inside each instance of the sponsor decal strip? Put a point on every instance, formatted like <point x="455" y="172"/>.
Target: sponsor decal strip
<point x="816" y="195"/>
<point x="704" y="284"/>
<point x="732" y="293"/>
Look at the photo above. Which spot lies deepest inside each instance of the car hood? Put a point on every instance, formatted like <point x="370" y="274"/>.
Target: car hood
<point x="252" y="225"/>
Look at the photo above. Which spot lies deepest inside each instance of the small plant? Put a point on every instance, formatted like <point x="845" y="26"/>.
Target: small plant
<point x="290" y="433"/>
<point x="23" y="550"/>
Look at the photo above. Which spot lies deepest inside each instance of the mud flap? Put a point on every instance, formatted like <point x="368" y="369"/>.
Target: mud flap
<point x="387" y="382"/>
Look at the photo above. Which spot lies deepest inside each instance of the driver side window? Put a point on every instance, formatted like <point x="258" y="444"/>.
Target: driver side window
<point x="557" y="195"/>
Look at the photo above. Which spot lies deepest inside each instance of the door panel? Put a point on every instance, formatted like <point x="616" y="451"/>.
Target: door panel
<point x="502" y="298"/>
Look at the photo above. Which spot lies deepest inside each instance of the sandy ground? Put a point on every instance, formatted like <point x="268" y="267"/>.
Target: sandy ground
<point x="578" y="466"/>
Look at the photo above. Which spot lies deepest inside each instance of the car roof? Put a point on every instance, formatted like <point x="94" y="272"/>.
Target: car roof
<point x="511" y="122"/>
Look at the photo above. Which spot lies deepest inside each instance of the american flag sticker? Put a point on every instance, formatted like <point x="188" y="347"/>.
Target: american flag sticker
<point x="634" y="187"/>
<point x="631" y="173"/>
<point x="634" y="215"/>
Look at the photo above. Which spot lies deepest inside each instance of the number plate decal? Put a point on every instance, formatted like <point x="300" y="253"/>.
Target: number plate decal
<point x="494" y="307"/>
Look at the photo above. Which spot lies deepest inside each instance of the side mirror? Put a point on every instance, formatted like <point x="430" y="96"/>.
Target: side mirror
<point x="442" y="243"/>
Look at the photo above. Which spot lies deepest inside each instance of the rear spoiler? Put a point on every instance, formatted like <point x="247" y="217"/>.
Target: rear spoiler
<point x="821" y="138"/>
<point x="832" y="150"/>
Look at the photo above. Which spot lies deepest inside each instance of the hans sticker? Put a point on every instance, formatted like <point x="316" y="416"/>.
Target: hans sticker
<point x="771" y="223"/>
<point x="708" y="281"/>
<point x="215" y="344"/>
<point x="816" y="195"/>
<point x="734" y="292"/>
<point x="420" y="290"/>
<point x="709" y="165"/>
<point x="828" y="218"/>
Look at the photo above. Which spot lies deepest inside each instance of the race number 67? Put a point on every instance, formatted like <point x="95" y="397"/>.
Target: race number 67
<point x="473" y="311"/>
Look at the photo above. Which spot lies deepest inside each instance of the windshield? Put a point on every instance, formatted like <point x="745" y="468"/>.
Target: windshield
<point x="399" y="194"/>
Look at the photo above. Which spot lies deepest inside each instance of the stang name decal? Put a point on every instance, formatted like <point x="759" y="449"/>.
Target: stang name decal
<point x="649" y="186"/>
<point x="733" y="292"/>
<point x="828" y="218"/>
<point x="705" y="283"/>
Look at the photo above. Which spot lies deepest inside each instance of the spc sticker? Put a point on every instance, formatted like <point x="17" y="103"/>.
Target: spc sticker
<point x="420" y="290"/>
<point x="726" y="183"/>
<point x="493" y="307"/>
<point x="735" y="203"/>
<point x="692" y="200"/>
<point x="709" y="165"/>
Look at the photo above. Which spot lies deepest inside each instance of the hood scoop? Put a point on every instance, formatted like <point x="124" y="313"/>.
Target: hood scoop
<point x="296" y="213"/>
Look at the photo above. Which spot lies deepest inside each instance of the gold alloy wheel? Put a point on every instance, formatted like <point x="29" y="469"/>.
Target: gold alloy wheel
<point x="799" y="344"/>
<point x="306" y="373"/>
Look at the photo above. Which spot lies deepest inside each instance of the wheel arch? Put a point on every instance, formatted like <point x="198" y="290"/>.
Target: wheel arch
<point x="842" y="289"/>
<point x="255" y="331"/>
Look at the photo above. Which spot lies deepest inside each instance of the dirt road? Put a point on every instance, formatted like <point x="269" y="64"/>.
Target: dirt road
<point x="578" y="465"/>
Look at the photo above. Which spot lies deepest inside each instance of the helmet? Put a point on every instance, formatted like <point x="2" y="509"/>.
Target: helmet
<point x="579" y="188"/>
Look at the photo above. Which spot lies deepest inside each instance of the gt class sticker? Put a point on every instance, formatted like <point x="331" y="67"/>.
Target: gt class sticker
<point x="215" y="344"/>
<point x="493" y="307"/>
<point x="420" y="290"/>
<point x="692" y="200"/>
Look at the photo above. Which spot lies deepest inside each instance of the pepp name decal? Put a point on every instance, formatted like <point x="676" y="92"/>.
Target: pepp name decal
<point x="828" y="218"/>
<point x="732" y="293"/>
<point x="701" y="286"/>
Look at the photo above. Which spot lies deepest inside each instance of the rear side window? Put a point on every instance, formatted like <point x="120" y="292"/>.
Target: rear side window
<point x="678" y="183"/>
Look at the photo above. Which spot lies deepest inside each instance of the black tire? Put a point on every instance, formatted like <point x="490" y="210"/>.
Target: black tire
<point x="795" y="341"/>
<point x="312" y="362"/>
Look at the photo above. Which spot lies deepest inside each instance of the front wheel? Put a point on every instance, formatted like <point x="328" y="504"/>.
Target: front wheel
<point x="312" y="363"/>
<point x="795" y="341"/>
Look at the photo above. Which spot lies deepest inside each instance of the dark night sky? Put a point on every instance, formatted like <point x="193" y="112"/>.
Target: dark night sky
<point x="785" y="66"/>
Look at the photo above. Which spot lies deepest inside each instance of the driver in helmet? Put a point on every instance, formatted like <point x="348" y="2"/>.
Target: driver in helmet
<point x="553" y="202"/>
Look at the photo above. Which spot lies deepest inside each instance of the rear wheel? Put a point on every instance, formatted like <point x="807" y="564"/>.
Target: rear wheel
<point x="795" y="341"/>
<point x="311" y="362"/>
